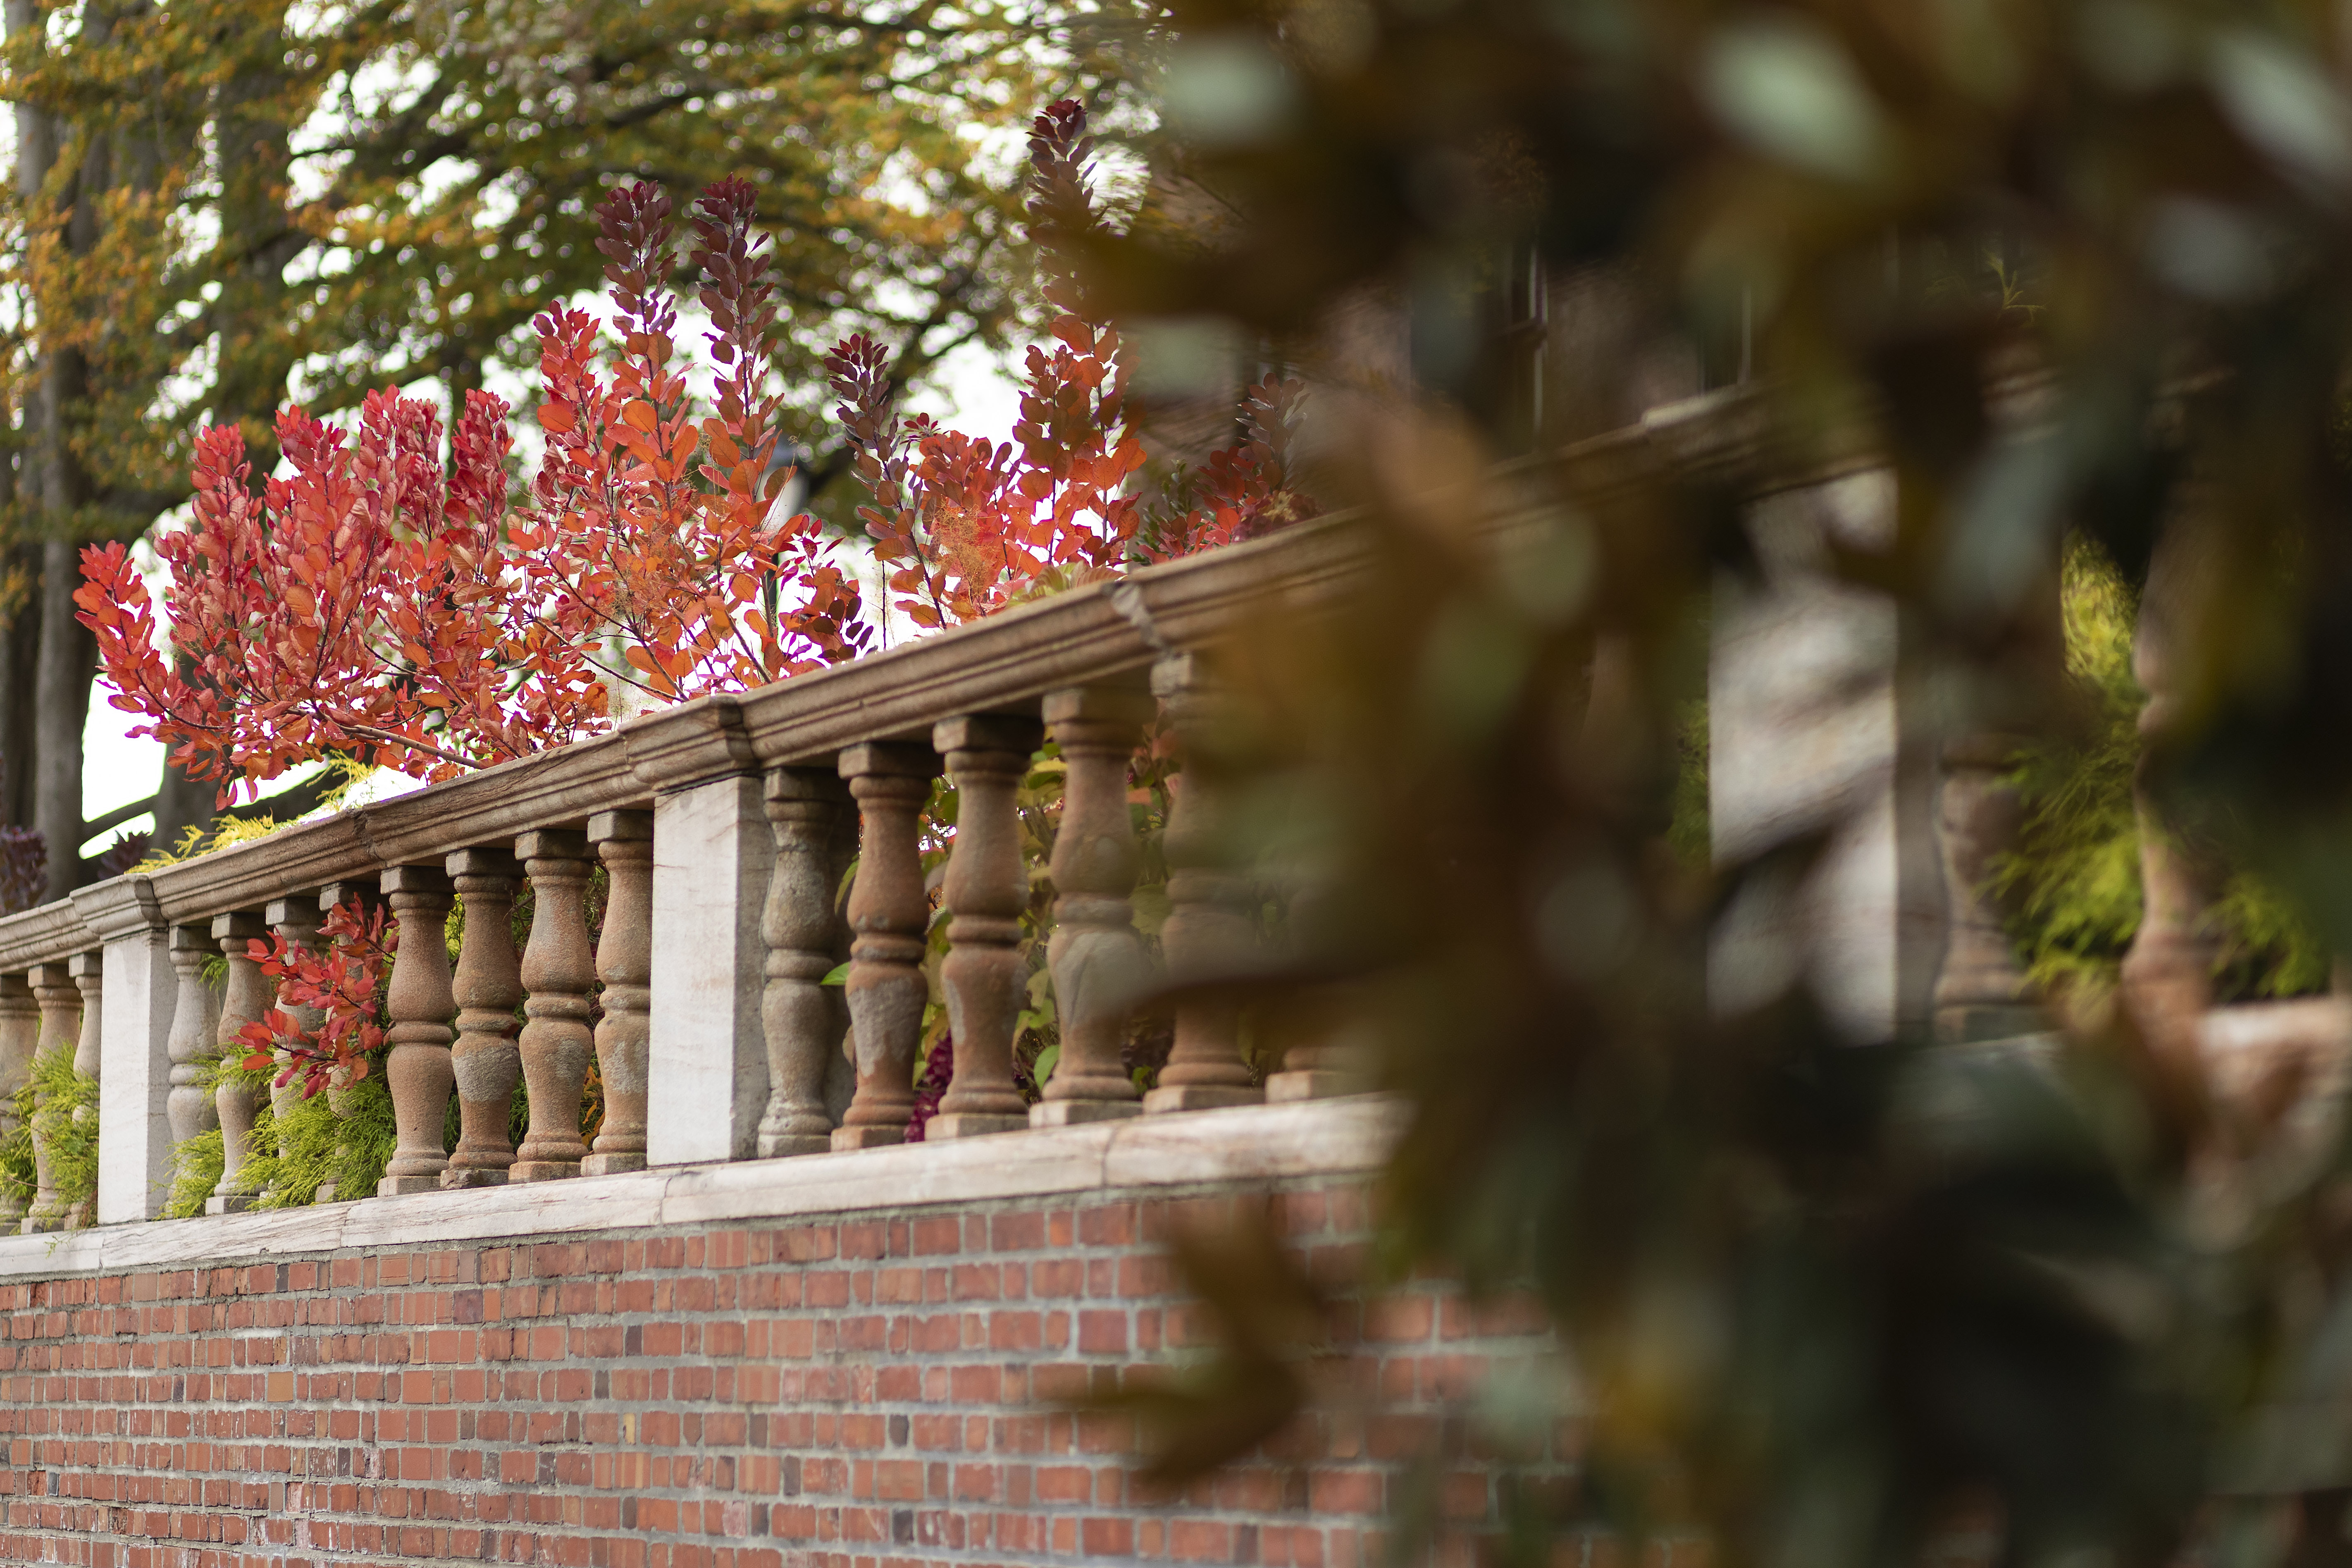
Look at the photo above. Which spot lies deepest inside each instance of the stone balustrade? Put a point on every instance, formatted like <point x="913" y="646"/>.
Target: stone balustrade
<point x="712" y="1002"/>
<point x="724" y="829"/>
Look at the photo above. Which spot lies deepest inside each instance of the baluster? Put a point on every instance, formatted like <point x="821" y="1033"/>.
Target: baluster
<point x="190" y="1109"/>
<point x="1981" y="993"/>
<point x="1209" y="934"/>
<point x="20" y="1036"/>
<point x="1338" y="1054"/>
<point x="2167" y="974"/>
<point x="888" y="913"/>
<point x="488" y="990"/>
<point x="419" y="1001"/>
<point x="1097" y="957"/>
<point x="366" y="896"/>
<point x="802" y="1018"/>
<point x="557" y="972"/>
<point x="248" y="997"/>
<point x="987" y="887"/>
<point x="88" y="971"/>
<point x="59" y="1002"/>
<point x="296" y="922"/>
<point x="625" y="962"/>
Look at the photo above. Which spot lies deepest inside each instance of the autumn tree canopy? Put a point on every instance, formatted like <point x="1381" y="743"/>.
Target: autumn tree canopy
<point x="224" y="206"/>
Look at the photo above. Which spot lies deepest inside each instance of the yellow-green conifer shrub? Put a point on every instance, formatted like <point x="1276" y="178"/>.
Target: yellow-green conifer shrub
<point x="2072" y="886"/>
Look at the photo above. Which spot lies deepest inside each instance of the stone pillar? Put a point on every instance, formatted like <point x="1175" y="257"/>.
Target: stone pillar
<point x="802" y="1019"/>
<point x="888" y="915"/>
<point x="487" y="989"/>
<point x="420" y="1003"/>
<point x="193" y="1042"/>
<point x="1209" y="934"/>
<point x="557" y="971"/>
<point x="1817" y="726"/>
<point x="1982" y="991"/>
<point x="625" y="842"/>
<point x="987" y="889"/>
<point x="134" y="1084"/>
<point x="88" y="971"/>
<point x="20" y="1037"/>
<point x="296" y="922"/>
<point x="1097" y="956"/>
<point x="60" y="1001"/>
<point x="247" y="998"/>
<point x="706" y="1078"/>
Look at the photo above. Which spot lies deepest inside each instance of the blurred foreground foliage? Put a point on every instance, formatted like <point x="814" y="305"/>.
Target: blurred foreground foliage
<point x="2079" y="268"/>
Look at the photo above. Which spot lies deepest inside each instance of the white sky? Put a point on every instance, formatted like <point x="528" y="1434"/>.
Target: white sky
<point x="979" y="395"/>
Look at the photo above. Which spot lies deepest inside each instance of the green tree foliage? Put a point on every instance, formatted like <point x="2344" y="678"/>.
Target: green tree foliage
<point x="222" y="206"/>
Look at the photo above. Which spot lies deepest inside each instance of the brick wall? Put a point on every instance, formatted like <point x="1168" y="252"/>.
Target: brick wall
<point x="874" y="1390"/>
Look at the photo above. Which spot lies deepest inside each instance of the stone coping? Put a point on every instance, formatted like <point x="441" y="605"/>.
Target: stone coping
<point x="1243" y="1143"/>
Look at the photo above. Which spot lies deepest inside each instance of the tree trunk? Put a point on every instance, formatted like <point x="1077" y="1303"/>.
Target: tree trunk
<point x="68" y="664"/>
<point x="256" y="158"/>
<point x="19" y="650"/>
<point x="181" y="803"/>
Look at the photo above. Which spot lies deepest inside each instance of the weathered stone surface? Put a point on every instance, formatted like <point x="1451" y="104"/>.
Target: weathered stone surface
<point x="2167" y="977"/>
<point x="986" y="890"/>
<point x="557" y="971"/>
<point x="625" y="842"/>
<point x="295" y="919"/>
<point x="20" y="1034"/>
<point x="1981" y="991"/>
<point x="88" y="971"/>
<point x="420" y="1003"/>
<point x="803" y="1021"/>
<point x="1209" y="934"/>
<point x="194" y="1017"/>
<point x="1815" y="725"/>
<point x="60" y="1001"/>
<point x="706" y="1081"/>
<point x="1252" y="1142"/>
<point x="249" y="997"/>
<point x="888" y="914"/>
<point x="1098" y="959"/>
<point x="134" y="1080"/>
<point x="487" y="987"/>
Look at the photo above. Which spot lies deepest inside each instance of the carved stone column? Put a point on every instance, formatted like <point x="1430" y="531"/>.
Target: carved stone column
<point x="296" y="922"/>
<point x="248" y="997"/>
<point x="1209" y="933"/>
<point x="987" y="889"/>
<point x="1981" y="991"/>
<point x="20" y="1036"/>
<point x="420" y="1003"/>
<point x="88" y="971"/>
<point x="889" y="912"/>
<point x="488" y="988"/>
<point x="557" y="972"/>
<point x="625" y="959"/>
<point x="1338" y="1054"/>
<point x="808" y="809"/>
<point x="60" y="1003"/>
<point x="190" y="1108"/>
<point x="2168" y="976"/>
<point x="1098" y="958"/>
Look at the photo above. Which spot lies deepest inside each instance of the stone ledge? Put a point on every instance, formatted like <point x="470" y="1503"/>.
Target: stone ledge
<point x="1256" y="1142"/>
